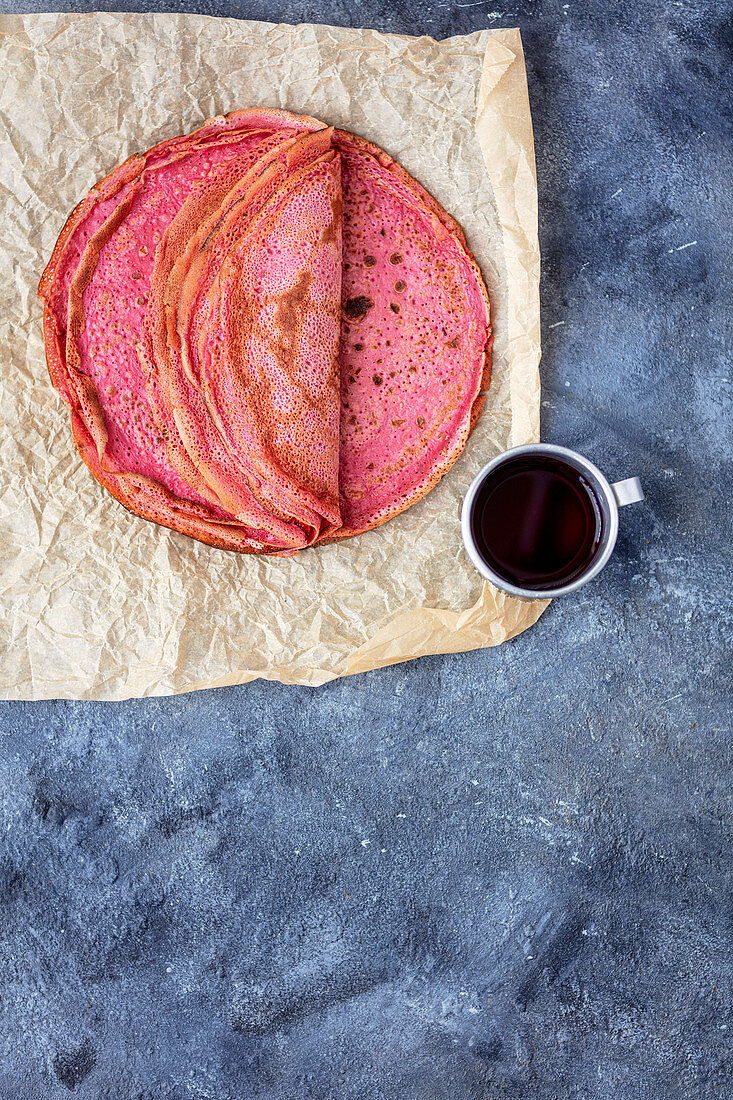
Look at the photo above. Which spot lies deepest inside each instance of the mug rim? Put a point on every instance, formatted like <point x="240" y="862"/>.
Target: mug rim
<point x="574" y="458"/>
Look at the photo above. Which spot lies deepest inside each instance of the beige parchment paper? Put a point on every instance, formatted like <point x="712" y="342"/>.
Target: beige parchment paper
<point x="98" y="604"/>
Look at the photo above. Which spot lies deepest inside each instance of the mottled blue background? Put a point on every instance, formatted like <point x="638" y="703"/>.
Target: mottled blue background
<point x="497" y="875"/>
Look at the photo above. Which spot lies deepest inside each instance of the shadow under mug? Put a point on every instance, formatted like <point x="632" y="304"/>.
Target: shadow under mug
<point x="607" y="496"/>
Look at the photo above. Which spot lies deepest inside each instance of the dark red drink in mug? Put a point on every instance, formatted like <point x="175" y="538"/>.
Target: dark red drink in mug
<point x="542" y="520"/>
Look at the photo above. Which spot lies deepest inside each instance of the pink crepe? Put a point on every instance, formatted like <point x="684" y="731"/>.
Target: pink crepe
<point x="415" y="339"/>
<point x="268" y="334"/>
<point x="302" y="241"/>
<point x="96" y="290"/>
<point x="270" y="380"/>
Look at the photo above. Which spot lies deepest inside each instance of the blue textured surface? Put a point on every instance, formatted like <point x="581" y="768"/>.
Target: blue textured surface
<point x="499" y="875"/>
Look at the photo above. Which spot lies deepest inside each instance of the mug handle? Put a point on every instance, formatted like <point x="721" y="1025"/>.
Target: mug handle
<point x="628" y="491"/>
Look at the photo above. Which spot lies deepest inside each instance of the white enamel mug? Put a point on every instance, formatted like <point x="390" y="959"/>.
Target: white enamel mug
<point x="608" y="498"/>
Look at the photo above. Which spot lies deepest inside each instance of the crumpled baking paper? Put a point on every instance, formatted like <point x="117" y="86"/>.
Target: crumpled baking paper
<point x="99" y="604"/>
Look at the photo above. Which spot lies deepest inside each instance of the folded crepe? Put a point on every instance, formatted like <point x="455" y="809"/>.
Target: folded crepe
<point x="268" y="334"/>
<point x="99" y="312"/>
<point x="244" y="324"/>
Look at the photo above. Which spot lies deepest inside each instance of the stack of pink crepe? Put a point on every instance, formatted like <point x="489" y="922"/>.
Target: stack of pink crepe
<point x="268" y="334"/>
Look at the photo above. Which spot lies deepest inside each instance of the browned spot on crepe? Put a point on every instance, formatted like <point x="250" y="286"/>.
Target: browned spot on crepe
<point x="357" y="308"/>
